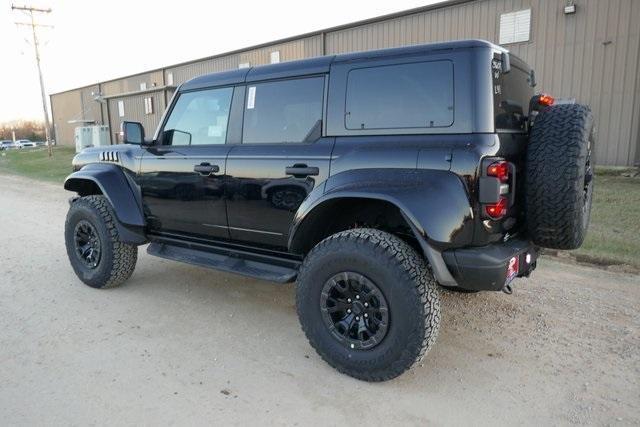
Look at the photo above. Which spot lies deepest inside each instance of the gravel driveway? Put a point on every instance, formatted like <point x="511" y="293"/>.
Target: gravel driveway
<point x="185" y="345"/>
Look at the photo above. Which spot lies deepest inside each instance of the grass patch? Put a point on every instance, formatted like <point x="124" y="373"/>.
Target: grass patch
<point x="614" y="232"/>
<point x="36" y="163"/>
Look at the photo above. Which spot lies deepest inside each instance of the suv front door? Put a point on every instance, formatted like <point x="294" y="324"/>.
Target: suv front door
<point x="182" y="174"/>
<point x="283" y="156"/>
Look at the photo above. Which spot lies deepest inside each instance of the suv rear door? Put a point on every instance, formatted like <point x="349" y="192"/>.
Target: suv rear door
<point x="282" y="157"/>
<point x="182" y="175"/>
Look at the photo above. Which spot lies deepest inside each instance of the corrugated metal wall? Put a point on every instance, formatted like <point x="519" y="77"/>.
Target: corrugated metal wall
<point x="74" y="105"/>
<point x="64" y="106"/>
<point x="592" y="55"/>
<point x="134" y="111"/>
<point x="297" y="49"/>
<point x="132" y="83"/>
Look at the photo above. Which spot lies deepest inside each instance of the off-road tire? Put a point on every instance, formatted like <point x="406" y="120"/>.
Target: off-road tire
<point x="405" y="280"/>
<point x="117" y="260"/>
<point x="559" y="176"/>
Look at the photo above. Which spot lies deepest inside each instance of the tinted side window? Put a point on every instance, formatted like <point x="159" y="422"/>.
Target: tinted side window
<point x="415" y="95"/>
<point x="283" y="111"/>
<point x="199" y="118"/>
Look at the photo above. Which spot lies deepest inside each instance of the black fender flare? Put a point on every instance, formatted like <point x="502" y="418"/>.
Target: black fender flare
<point x="434" y="203"/>
<point x="123" y="195"/>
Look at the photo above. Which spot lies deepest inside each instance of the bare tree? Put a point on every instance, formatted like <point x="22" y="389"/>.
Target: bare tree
<point x="24" y="129"/>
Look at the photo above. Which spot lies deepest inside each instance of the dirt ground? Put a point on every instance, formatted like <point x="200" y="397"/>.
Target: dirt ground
<point x="185" y="345"/>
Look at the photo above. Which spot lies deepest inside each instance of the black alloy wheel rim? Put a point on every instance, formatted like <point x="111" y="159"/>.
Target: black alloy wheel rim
<point x="87" y="244"/>
<point x="354" y="310"/>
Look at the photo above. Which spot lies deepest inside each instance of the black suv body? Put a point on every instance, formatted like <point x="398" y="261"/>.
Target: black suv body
<point x="422" y="148"/>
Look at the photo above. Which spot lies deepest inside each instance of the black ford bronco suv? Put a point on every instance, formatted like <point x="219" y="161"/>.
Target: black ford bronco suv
<point x="368" y="178"/>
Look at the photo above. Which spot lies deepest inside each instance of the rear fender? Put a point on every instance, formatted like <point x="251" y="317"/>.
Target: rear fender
<point x="434" y="203"/>
<point x="120" y="191"/>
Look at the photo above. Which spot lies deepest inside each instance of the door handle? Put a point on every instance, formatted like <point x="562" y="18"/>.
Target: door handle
<point x="300" y="170"/>
<point x="206" y="169"/>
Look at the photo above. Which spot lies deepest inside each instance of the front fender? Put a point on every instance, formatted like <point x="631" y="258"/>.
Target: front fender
<point x="117" y="188"/>
<point x="435" y="202"/>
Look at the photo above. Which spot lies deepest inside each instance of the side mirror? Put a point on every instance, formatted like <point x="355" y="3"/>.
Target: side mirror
<point x="132" y="133"/>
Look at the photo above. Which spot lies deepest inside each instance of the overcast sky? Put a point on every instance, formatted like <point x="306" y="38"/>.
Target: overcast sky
<point x="100" y="40"/>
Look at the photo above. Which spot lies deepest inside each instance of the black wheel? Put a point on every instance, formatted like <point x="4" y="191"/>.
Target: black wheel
<point x="354" y="310"/>
<point x="559" y="176"/>
<point x="95" y="251"/>
<point x="368" y="303"/>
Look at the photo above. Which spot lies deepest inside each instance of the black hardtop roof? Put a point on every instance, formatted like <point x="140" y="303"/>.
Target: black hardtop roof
<point x="321" y="64"/>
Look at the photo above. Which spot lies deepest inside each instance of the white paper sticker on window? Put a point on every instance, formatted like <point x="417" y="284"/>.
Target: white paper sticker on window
<point x="251" y="98"/>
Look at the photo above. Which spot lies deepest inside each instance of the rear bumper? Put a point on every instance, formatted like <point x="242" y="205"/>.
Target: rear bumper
<point x="485" y="268"/>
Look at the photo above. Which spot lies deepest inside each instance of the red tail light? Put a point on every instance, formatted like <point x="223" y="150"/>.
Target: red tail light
<point x="546" y="100"/>
<point x="497" y="210"/>
<point x="499" y="170"/>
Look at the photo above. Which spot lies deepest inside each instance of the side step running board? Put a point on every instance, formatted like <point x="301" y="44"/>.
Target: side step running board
<point x="226" y="261"/>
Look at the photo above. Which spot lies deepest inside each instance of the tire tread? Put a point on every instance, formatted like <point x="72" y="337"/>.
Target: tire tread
<point x="125" y="256"/>
<point x="415" y="270"/>
<point x="556" y="155"/>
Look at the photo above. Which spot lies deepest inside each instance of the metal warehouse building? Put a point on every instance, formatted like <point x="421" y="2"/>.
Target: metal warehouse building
<point x="583" y="49"/>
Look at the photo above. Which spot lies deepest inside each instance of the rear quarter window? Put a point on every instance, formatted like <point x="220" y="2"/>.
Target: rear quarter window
<point x="400" y="96"/>
<point x="512" y="92"/>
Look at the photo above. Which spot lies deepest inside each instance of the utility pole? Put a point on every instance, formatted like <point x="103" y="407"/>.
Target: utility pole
<point x="30" y="11"/>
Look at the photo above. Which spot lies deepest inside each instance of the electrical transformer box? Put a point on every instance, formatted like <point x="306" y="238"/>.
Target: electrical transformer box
<point x="91" y="136"/>
<point x="100" y="136"/>
<point x="83" y="137"/>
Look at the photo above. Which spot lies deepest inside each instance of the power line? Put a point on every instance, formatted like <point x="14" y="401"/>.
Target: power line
<point x="30" y="11"/>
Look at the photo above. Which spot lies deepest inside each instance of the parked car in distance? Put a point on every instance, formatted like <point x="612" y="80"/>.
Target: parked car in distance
<point x="25" y="143"/>
<point x="7" y="144"/>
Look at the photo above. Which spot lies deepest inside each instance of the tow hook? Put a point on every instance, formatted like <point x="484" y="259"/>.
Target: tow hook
<point x="507" y="289"/>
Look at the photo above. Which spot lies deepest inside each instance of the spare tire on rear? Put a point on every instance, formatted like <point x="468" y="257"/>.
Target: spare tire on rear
<point x="559" y="176"/>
